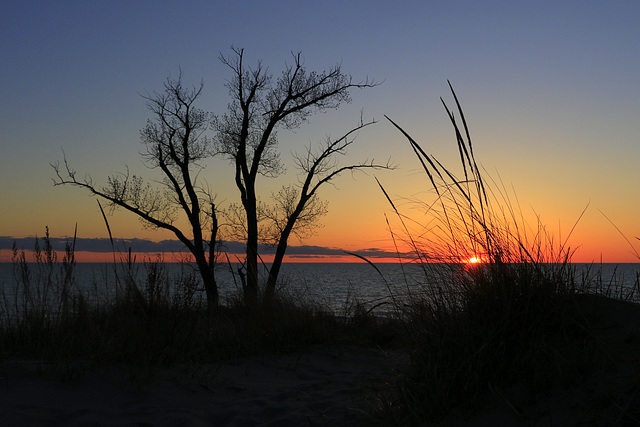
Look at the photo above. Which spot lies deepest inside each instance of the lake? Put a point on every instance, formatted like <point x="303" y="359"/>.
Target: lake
<point x="335" y="285"/>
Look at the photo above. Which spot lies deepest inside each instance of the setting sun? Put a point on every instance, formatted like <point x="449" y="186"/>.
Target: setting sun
<point x="474" y="260"/>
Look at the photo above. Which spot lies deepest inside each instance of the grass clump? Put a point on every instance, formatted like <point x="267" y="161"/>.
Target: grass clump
<point x="507" y="327"/>
<point x="479" y="329"/>
<point x="147" y="318"/>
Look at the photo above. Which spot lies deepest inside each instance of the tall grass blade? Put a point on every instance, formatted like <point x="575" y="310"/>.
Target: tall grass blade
<point x="633" y="249"/>
<point x="417" y="149"/>
<point x="387" y="196"/>
<point x="107" y="224"/>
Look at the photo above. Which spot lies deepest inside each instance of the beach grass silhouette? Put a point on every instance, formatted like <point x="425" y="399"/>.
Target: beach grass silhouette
<point x="510" y="326"/>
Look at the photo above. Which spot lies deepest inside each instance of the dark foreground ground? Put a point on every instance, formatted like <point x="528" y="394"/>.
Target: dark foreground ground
<point x="319" y="385"/>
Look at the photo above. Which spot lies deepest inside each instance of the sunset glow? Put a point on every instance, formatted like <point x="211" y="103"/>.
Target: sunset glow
<point x="540" y="127"/>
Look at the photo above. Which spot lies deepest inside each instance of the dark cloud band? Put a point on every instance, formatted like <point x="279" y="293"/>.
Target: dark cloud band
<point x="102" y="245"/>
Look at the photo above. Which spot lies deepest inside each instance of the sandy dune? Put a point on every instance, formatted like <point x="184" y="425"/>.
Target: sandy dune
<point x="318" y="386"/>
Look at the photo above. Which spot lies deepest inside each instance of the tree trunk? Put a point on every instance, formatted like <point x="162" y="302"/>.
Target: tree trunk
<point x="251" y="289"/>
<point x="210" y="285"/>
<point x="270" y="288"/>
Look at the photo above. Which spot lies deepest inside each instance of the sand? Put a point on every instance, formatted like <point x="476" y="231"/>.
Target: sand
<point x="317" y="386"/>
<point x="320" y="385"/>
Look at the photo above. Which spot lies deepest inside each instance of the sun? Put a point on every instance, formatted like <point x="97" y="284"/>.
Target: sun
<point x="474" y="260"/>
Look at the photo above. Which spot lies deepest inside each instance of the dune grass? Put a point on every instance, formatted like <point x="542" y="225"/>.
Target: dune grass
<point x="149" y="319"/>
<point x="479" y="329"/>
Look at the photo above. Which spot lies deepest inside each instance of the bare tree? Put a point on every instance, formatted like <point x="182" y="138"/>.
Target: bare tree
<point x="298" y="208"/>
<point x="247" y="135"/>
<point x="176" y="145"/>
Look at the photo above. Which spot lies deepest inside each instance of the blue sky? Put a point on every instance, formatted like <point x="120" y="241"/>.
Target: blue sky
<point x="551" y="91"/>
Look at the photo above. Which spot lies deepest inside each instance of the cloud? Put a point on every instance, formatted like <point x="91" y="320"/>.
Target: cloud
<point x="94" y="244"/>
<point x="102" y="245"/>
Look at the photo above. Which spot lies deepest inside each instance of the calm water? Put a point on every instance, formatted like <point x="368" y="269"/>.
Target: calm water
<point x="335" y="285"/>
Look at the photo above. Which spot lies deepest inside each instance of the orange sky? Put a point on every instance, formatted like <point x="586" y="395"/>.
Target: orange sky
<point x="550" y="91"/>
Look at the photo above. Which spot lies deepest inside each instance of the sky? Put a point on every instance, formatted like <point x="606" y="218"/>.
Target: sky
<point x="550" y="91"/>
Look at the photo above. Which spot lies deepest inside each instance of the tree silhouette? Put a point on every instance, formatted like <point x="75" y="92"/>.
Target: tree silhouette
<point x="247" y="135"/>
<point x="175" y="144"/>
